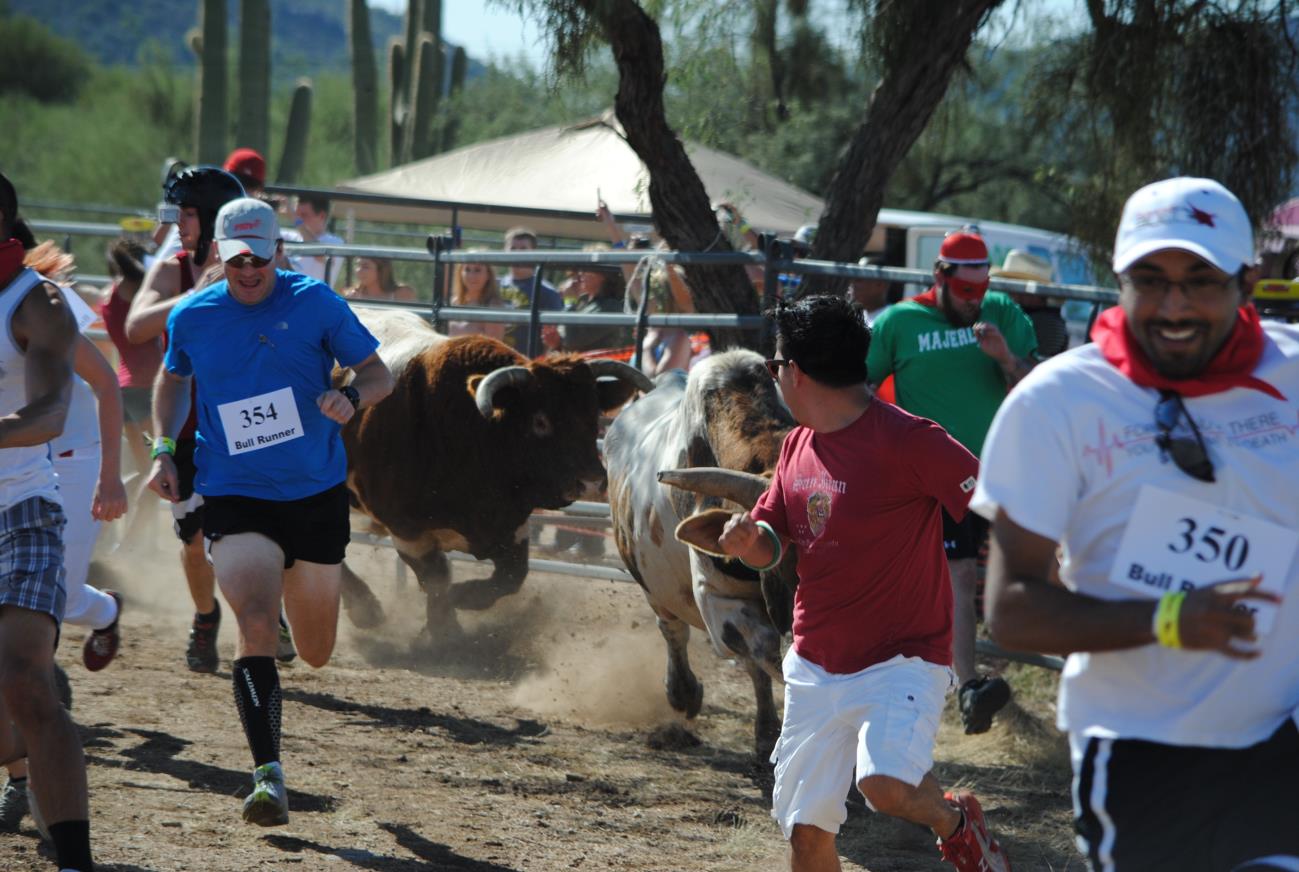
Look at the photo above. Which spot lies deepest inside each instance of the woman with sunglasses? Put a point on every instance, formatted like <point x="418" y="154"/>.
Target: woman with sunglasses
<point x="475" y="284"/>
<point x="1165" y="458"/>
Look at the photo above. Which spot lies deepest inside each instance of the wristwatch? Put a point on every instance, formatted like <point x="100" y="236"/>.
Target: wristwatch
<point x="352" y="394"/>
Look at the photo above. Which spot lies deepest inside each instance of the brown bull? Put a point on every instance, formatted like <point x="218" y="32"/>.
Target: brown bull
<point x="473" y="438"/>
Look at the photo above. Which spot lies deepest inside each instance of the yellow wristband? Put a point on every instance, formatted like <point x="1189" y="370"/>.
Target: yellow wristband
<point x="162" y="445"/>
<point x="1168" y="618"/>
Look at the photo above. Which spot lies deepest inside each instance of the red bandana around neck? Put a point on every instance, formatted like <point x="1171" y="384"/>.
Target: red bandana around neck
<point x="1232" y="367"/>
<point x="11" y="260"/>
<point x="928" y="298"/>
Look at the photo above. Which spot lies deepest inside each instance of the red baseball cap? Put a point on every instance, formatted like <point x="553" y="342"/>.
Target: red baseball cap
<point x="963" y="247"/>
<point x="246" y="163"/>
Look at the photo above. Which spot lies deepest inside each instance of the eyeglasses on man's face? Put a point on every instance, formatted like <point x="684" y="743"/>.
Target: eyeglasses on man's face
<point x="1190" y="454"/>
<point x="1198" y="289"/>
<point x="774" y="365"/>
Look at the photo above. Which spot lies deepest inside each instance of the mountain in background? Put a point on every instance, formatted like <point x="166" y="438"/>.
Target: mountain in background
<point x="307" y="36"/>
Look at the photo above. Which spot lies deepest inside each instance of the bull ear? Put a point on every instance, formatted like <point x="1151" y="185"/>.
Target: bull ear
<point x="702" y="530"/>
<point x="472" y="384"/>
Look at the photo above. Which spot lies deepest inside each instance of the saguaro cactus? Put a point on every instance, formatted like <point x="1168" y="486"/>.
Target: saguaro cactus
<point x="210" y="134"/>
<point x="364" y="87"/>
<point x="254" y="74"/>
<point x="396" y="100"/>
<point x="294" y="155"/>
<point x="417" y="82"/>
<point x="424" y="100"/>
<point x="451" y="126"/>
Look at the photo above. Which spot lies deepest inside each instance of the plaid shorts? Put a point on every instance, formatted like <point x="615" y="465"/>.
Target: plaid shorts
<point x="31" y="557"/>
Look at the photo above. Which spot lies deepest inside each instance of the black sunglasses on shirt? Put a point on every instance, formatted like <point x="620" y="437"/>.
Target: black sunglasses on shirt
<point x="1190" y="455"/>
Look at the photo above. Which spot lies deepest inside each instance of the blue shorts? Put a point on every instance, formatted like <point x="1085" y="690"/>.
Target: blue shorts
<point x="31" y="557"/>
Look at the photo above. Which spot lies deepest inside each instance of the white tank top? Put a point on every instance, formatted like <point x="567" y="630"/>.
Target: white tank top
<point x="24" y="472"/>
<point x="81" y="429"/>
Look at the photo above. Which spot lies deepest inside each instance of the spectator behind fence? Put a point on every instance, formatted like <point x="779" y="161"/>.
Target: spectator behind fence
<point x="311" y="224"/>
<point x="871" y="294"/>
<point x="137" y="362"/>
<point x="475" y="284"/>
<point x="521" y="281"/>
<point x="1044" y="312"/>
<point x="599" y="289"/>
<point x="375" y="281"/>
<point x="664" y="348"/>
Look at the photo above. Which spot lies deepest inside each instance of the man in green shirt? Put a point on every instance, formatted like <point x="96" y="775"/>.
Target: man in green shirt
<point x="954" y="351"/>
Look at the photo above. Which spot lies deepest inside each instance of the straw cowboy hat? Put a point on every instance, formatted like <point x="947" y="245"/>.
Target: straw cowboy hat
<point x="1019" y="264"/>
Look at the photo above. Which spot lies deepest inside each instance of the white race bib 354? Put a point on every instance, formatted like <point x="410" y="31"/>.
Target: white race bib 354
<point x="261" y="421"/>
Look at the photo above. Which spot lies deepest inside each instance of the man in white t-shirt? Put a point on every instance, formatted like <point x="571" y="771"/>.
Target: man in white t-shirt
<point x="1165" y="458"/>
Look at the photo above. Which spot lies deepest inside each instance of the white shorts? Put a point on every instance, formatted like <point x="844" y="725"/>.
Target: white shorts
<point x="883" y="718"/>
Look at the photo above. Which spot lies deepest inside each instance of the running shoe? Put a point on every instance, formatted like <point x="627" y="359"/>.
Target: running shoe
<point x="13" y="806"/>
<point x="981" y="698"/>
<point x="268" y="804"/>
<point x="284" y="650"/>
<point x="101" y="645"/>
<point x="972" y="848"/>
<point x="201" y="655"/>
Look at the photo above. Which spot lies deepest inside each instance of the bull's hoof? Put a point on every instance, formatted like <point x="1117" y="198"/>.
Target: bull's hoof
<point x="363" y="608"/>
<point x="475" y="596"/>
<point x="672" y="737"/>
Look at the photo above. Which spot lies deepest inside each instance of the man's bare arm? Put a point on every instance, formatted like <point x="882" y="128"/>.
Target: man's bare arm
<point x="44" y="327"/>
<point x="170" y="403"/>
<point x="158" y="295"/>
<point x="1026" y="612"/>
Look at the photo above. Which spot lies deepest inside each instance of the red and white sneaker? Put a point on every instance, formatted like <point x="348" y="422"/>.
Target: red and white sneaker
<point x="101" y="645"/>
<point x="972" y="848"/>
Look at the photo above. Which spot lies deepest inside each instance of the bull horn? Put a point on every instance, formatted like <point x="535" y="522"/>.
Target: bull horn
<point x="616" y="368"/>
<point x="503" y="377"/>
<point x="742" y="488"/>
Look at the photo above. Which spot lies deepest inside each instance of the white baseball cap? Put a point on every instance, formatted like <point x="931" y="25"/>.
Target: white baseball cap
<point x="1195" y="215"/>
<point x="246" y="226"/>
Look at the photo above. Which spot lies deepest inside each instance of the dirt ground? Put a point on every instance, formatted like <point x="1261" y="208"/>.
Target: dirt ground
<point x="524" y="749"/>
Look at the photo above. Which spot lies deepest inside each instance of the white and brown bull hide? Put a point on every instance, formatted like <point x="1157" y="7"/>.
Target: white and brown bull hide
<point x="473" y="438"/>
<point x="727" y="414"/>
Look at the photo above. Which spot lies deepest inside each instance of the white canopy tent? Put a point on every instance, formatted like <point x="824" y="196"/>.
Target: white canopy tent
<point x="549" y="179"/>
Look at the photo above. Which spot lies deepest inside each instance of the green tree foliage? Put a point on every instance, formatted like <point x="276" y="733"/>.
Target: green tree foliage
<point x="38" y="63"/>
<point x="1155" y="89"/>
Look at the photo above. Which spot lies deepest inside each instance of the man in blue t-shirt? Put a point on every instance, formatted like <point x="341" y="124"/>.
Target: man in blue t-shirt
<point x="521" y="283"/>
<point x="270" y="460"/>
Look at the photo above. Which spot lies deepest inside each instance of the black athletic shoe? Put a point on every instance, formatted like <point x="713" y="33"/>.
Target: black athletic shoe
<point x="201" y="655"/>
<point x="981" y="698"/>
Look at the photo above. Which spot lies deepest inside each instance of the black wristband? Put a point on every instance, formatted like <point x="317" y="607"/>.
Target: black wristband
<point x="352" y="394"/>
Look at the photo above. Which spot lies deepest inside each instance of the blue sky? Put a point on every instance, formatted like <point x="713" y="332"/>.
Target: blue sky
<point x="485" y="30"/>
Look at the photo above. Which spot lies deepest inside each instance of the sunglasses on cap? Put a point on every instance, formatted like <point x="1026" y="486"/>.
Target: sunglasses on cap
<point x="240" y="261"/>
<point x="1190" y="455"/>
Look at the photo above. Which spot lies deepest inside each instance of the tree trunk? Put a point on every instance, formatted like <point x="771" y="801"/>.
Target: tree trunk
<point x="936" y="40"/>
<point x="255" y="74"/>
<point x="682" y="212"/>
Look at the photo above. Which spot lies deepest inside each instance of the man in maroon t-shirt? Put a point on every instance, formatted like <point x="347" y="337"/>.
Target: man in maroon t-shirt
<point x="859" y="489"/>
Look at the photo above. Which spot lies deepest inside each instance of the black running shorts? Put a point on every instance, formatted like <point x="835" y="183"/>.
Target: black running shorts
<point x="1147" y="807"/>
<point x="315" y="528"/>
